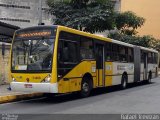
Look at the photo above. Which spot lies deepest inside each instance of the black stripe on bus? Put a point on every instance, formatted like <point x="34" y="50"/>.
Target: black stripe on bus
<point x="66" y="79"/>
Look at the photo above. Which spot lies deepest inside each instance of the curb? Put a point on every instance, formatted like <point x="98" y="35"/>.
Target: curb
<point x="11" y="98"/>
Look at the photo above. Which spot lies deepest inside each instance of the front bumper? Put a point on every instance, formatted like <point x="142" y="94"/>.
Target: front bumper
<point x="34" y="87"/>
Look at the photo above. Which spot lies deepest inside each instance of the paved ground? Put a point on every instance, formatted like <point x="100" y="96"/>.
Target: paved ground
<point x="10" y="96"/>
<point x="143" y="98"/>
<point x="4" y="91"/>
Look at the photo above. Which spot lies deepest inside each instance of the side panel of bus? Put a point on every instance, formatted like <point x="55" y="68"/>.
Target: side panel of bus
<point x="149" y="64"/>
<point x="76" y="60"/>
<point x="80" y="55"/>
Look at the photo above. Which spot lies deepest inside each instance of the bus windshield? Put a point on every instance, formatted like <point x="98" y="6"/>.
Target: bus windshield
<point x="32" y="54"/>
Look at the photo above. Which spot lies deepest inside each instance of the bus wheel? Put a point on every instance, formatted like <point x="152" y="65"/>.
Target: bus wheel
<point x="124" y="82"/>
<point x="86" y="87"/>
<point x="149" y="77"/>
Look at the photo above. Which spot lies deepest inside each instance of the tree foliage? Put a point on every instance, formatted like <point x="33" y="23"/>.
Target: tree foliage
<point x="87" y="15"/>
<point x="145" y="41"/>
<point x="98" y="16"/>
<point x="128" y="22"/>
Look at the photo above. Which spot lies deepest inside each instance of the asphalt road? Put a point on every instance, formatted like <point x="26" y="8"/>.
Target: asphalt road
<point x="140" y="98"/>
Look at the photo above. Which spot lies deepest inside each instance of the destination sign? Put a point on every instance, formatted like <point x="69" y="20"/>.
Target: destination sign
<point x="34" y="34"/>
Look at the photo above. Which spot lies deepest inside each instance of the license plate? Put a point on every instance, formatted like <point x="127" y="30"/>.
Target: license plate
<point x="28" y="85"/>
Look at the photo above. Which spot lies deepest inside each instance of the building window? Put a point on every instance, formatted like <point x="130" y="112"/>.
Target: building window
<point x="14" y="6"/>
<point x="16" y="20"/>
<point x="45" y="9"/>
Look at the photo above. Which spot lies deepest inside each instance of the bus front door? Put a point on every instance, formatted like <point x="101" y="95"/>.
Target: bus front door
<point x="100" y="62"/>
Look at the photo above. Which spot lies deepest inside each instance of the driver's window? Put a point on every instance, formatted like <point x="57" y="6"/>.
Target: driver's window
<point x="68" y="49"/>
<point x="68" y="52"/>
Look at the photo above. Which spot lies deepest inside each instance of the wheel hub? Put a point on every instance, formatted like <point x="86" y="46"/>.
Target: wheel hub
<point x="85" y="87"/>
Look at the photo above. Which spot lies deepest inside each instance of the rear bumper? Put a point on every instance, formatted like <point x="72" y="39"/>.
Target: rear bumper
<point x="34" y="87"/>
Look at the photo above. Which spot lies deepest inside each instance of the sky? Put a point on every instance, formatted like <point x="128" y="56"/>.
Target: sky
<point x="150" y="10"/>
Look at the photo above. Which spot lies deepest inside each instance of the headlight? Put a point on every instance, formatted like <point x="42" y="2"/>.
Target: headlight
<point x="47" y="79"/>
<point x="13" y="79"/>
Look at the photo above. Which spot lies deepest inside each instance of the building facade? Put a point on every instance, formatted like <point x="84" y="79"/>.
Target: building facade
<point x="23" y="13"/>
<point x="4" y="62"/>
<point x="117" y="5"/>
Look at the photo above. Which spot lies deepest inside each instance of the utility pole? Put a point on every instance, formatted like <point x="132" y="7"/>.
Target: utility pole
<point x="40" y="13"/>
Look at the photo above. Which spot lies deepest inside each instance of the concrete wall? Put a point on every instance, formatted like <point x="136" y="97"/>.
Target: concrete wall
<point x="117" y="5"/>
<point x="4" y="64"/>
<point x="22" y="13"/>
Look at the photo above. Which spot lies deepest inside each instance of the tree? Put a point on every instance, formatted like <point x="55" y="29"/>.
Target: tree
<point x="98" y="16"/>
<point x="128" y="22"/>
<point x="155" y="44"/>
<point x="145" y="41"/>
<point x="87" y="15"/>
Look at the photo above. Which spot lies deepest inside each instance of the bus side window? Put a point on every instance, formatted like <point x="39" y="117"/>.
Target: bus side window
<point x="115" y="51"/>
<point x="68" y="49"/>
<point x="142" y="56"/>
<point x="130" y="55"/>
<point x="65" y="52"/>
<point x="60" y="54"/>
<point x="108" y="49"/>
<point x="123" y="53"/>
<point x="70" y="52"/>
<point x="86" y="48"/>
<point x="149" y="57"/>
<point x="156" y="58"/>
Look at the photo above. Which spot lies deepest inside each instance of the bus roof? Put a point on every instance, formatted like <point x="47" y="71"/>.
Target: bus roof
<point x="122" y="43"/>
<point x="83" y="33"/>
<point x="36" y="27"/>
<point x="88" y="35"/>
<point x="108" y="39"/>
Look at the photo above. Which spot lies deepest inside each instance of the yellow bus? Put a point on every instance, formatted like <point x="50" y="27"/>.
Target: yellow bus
<point x="57" y="59"/>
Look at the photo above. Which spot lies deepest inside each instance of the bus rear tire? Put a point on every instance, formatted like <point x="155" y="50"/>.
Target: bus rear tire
<point x="124" y="82"/>
<point x="86" y="87"/>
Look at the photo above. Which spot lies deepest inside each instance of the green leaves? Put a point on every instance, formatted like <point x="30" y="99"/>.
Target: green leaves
<point x="97" y="16"/>
<point x="145" y="41"/>
<point x="87" y="15"/>
<point x="128" y="22"/>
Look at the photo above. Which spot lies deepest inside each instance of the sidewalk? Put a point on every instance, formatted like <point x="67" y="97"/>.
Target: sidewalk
<point x="8" y="96"/>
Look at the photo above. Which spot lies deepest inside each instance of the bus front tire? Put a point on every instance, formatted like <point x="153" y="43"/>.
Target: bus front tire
<point x="86" y="87"/>
<point x="124" y="82"/>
